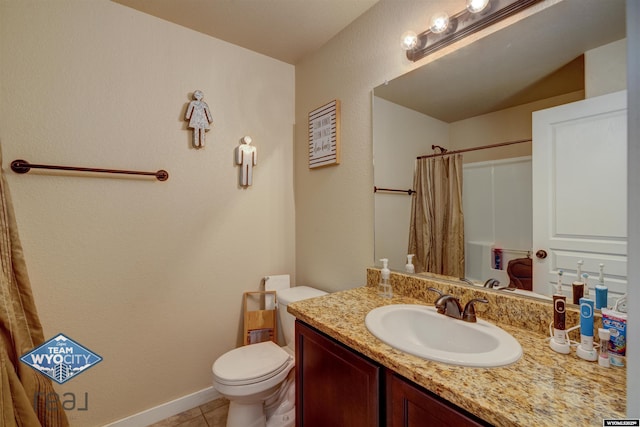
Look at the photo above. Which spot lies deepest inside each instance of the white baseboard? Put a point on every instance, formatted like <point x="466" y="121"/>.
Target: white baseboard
<point x="168" y="409"/>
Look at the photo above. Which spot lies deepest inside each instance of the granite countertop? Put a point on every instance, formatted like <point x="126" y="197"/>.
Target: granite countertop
<point x="543" y="388"/>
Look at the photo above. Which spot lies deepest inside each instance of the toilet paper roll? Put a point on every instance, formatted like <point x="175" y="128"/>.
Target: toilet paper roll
<point x="275" y="283"/>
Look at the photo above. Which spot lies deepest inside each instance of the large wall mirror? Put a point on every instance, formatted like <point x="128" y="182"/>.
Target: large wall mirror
<point x="569" y="53"/>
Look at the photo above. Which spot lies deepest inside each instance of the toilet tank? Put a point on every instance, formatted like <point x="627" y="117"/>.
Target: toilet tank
<point x="287" y="320"/>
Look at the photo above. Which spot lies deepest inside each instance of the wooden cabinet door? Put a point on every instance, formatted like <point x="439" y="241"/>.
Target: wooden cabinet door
<point x="410" y="406"/>
<point x="335" y="387"/>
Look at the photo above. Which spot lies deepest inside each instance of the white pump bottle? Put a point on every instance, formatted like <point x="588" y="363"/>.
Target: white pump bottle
<point x="409" y="268"/>
<point x="384" y="287"/>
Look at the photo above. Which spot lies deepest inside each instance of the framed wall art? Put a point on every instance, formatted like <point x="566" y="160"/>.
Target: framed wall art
<point x="324" y="135"/>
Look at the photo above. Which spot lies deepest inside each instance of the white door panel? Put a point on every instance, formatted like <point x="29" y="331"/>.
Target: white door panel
<point x="580" y="190"/>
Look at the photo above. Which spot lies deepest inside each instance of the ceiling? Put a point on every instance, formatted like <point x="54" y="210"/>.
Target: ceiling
<point x="537" y="58"/>
<point x="286" y="30"/>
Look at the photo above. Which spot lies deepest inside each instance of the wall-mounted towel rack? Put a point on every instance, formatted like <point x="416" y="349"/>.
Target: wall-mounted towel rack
<point x="409" y="192"/>
<point x="23" y="166"/>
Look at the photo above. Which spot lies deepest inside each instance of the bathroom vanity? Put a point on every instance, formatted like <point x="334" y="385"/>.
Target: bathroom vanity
<point x="346" y="376"/>
<point x="355" y="391"/>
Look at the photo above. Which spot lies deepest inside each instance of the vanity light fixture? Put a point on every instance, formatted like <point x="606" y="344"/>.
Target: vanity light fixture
<point x="409" y="40"/>
<point x="476" y="6"/>
<point x="439" y="23"/>
<point x="444" y="30"/>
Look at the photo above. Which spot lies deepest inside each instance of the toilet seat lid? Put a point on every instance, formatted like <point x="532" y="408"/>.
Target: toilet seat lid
<point x="251" y="363"/>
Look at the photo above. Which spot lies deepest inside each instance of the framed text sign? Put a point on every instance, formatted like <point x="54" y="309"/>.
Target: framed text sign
<point x="324" y="135"/>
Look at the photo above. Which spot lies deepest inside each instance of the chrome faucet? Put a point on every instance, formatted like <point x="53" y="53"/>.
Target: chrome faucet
<point x="450" y="306"/>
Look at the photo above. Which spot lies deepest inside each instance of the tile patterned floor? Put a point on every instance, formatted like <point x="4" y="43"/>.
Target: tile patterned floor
<point x="212" y="414"/>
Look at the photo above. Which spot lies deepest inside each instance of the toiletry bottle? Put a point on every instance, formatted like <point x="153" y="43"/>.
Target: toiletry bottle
<point x="559" y="341"/>
<point x="616" y="322"/>
<point x="409" y="268"/>
<point x="585" y="350"/>
<point x="603" y="357"/>
<point x="384" y="287"/>
<point x="601" y="290"/>
<point x="577" y="287"/>
<point x="497" y="259"/>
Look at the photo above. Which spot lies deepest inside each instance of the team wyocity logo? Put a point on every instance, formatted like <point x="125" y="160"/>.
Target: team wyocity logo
<point x="61" y="358"/>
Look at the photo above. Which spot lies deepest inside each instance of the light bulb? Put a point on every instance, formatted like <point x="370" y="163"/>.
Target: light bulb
<point x="439" y="22"/>
<point x="409" y="40"/>
<point x="475" y="6"/>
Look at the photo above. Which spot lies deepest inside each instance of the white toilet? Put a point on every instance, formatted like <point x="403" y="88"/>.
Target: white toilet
<point x="258" y="379"/>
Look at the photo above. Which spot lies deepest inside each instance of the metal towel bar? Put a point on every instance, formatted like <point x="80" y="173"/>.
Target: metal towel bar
<point x="23" y="166"/>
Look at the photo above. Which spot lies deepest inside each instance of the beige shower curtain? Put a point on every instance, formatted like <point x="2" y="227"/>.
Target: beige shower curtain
<point x="27" y="397"/>
<point x="436" y="232"/>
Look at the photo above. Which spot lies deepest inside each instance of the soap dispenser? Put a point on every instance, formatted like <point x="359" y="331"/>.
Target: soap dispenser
<point x="409" y="268"/>
<point x="384" y="287"/>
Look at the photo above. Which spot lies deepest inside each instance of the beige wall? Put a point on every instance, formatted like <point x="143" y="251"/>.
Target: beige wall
<point x="399" y="136"/>
<point x="149" y="275"/>
<point x="510" y="124"/>
<point x="605" y="69"/>
<point x="334" y="206"/>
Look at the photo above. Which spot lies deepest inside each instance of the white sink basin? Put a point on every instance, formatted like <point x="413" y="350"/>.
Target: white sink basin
<point x="421" y="331"/>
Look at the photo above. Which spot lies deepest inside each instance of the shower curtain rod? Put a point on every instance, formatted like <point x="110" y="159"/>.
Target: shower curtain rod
<point x="23" y="166"/>
<point x="464" y="150"/>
